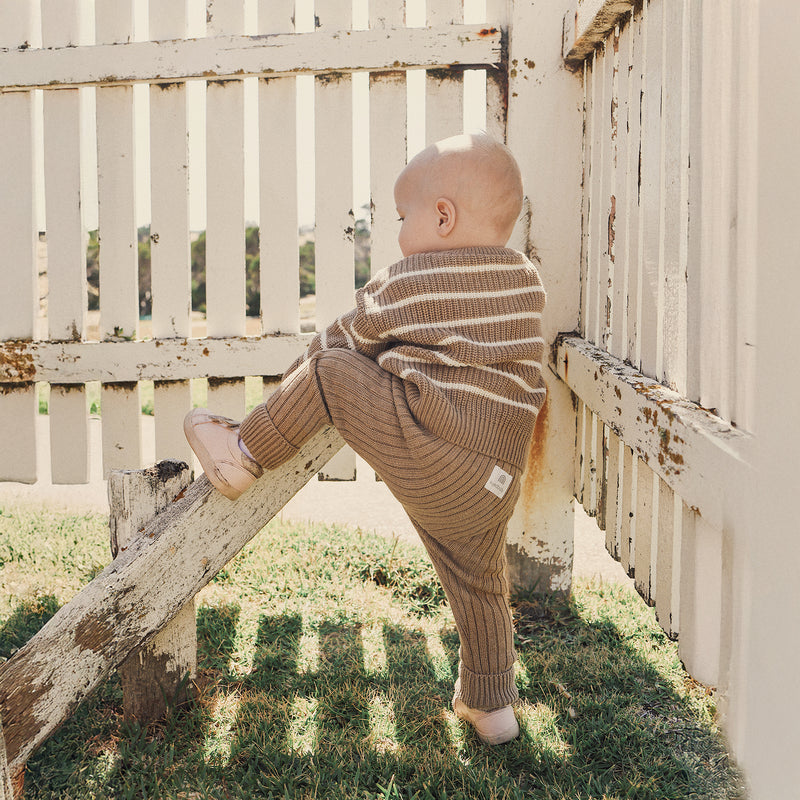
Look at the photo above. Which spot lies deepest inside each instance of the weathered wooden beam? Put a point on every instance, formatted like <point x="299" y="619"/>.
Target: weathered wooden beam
<point x="154" y="359"/>
<point x="6" y="786"/>
<point x="136" y="595"/>
<point x="694" y="451"/>
<point x="270" y="55"/>
<point x="588" y="24"/>
<point x="158" y="674"/>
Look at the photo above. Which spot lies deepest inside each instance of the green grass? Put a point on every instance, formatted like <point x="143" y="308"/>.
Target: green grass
<point x="326" y="660"/>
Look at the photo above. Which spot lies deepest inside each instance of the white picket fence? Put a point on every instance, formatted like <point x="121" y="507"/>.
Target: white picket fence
<point x="663" y="364"/>
<point x="57" y="350"/>
<point x="654" y="157"/>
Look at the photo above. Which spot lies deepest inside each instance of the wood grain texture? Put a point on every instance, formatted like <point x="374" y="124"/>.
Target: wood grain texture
<point x="179" y="552"/>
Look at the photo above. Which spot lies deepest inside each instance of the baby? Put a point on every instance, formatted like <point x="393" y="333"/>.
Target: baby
<point x="435" y="379"/>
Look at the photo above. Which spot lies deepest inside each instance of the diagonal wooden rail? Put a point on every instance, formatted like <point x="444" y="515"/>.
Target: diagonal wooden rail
<point x="181" y="550"/>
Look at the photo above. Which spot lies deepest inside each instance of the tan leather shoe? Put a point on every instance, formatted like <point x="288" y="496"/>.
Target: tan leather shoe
<point x="493" y="727"/>
<point x="215" y="441"/>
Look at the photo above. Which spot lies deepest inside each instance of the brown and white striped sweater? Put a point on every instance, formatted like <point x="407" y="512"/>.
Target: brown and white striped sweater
<point x="462" y="329"/>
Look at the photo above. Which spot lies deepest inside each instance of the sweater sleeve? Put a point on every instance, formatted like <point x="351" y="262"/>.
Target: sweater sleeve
<point x="353" y="330"/>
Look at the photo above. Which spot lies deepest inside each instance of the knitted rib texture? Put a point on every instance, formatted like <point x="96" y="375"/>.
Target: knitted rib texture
<point x="462" y="328"/>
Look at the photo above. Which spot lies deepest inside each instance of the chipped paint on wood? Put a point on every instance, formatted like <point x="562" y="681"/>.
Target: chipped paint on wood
<point x="135" y="596"/>
<point x="180" y="359"/>
<point x="693" y="450"/>
<point x="589" y="24"/>
<point x="17" y="363"/>
<point x="273" y="55"/>
<point x="165" y="666"/>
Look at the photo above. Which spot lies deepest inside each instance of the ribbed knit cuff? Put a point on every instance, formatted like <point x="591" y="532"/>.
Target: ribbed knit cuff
<point x="264" y="441"/>
<point x="486" y="692"/>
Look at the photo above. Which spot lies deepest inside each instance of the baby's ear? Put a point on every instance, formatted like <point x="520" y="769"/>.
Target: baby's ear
<point x="445" y="216"/>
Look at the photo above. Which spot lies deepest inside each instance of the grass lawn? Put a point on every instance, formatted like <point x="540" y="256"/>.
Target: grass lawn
<point x="326" y="660"/>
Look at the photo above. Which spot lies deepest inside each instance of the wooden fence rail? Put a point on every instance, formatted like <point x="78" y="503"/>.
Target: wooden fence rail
<point x="180" y="551"/>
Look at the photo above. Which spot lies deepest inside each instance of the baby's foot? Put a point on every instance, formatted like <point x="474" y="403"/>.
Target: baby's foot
<point x="493" y="727"/>
<point x="215" y="441"/>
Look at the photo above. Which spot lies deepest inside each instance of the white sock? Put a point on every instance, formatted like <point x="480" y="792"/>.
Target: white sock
<point x="243" y="448"/>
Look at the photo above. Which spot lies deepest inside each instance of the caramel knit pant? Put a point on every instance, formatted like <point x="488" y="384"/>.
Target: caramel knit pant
<point x="440" y="485"/>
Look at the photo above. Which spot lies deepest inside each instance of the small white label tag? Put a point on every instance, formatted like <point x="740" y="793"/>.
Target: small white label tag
<point x="498" y="482"/>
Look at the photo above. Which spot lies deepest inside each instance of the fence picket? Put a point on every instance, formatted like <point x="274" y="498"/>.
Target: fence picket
<point x="645" y="513"/>
<point x="225" y="226"/>
<point x="122" y="446"/>
<point x="695" y="311"/>
<point x="593" y="461"/>
<point x="69" y="443"/>
<point x="701" y="597"/>
<point x="675" y="203"/>
<point x="19" y="300"/>
<point x="600" y="195"/>
<point x="595" y="126"/>
<point x="171" y="401"/>
<point x="119" y="282"/>
<point x="602" y="474"/>
<point x="18" y="262"/>
<point x="18" y="414"/>
<point x="66" y="245"/>
<point x="650" y="308"/>
<point x="279" y="263"/>
<point x="618" y="343"/>
<point x="387" y="130"/>
<point x="668" y="525"/>
<point x="444" y="92"/>
<point x="226" y="396"/>
<point x="613" y="499"/>
<point x="169" y="232"/>
<point x="627" y="490"/>
<point x="608" y="279"/>
<point x="581" y="462"/>
<point x="634" y="255"/>
<point x="715" y="267"/>
<point x="586" y="207"/>
<point x="334" y="228"/>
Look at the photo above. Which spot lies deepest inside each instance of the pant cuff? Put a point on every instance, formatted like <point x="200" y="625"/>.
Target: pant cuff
<point x="486" y="692"/>
<point x="264" y="441"/>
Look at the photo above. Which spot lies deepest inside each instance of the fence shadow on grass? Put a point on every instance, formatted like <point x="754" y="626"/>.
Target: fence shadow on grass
<point x="599" y="718"/>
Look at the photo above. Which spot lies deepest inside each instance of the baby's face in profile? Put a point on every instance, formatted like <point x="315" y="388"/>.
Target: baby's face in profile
<point x="418" y="222"/>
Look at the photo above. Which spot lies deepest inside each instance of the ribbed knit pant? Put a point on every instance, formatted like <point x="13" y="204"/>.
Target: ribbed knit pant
<point x="441" y="487"/>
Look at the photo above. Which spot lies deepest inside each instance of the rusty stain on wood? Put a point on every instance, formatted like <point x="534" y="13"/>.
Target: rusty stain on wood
<point x="17" y="362"/>
<point x="536" y="457"/>
<point x="590" y="33"/>
<point x="94" y="632"/>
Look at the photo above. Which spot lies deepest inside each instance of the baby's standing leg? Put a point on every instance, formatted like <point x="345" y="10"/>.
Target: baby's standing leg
<point x="473" y="574"/>
<point x="442" y="487"/>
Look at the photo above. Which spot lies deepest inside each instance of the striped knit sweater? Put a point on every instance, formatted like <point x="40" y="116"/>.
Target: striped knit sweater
<point x="462" y="329"/>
